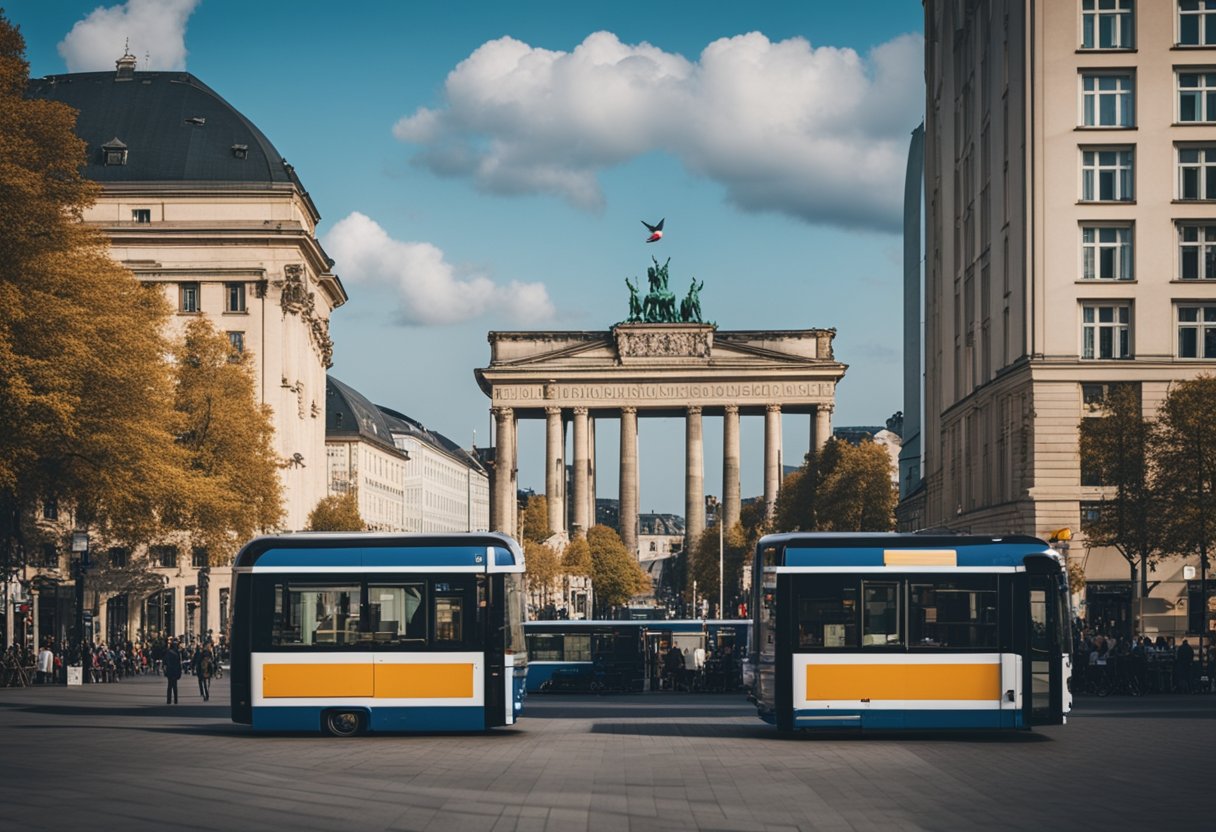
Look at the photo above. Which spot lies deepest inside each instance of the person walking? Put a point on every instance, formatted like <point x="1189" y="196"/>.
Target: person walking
<point x="173" y="671"/>
<point x="1182" y="667"/>
<point x="203" y="663"/>
<point x="46" y="665"/>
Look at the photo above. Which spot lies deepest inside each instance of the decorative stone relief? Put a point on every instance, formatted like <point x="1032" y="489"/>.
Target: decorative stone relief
<point x="657" y="343"/>
<point x="297" y="300"/>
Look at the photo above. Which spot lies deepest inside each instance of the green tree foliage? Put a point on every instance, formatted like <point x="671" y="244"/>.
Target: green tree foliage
<point x="616" y="575"/>
<point x="337" y="513"/>
<point x="1116" y="450"/>
<point x="576" y="558"/>
<point x="543" y="569"/>
<point x="534" y="520"/>
<point x="736" y="551"/>
<point x="228" y="438"/>
<point x="1185" y="467"/>
<point x="86" y="399"/>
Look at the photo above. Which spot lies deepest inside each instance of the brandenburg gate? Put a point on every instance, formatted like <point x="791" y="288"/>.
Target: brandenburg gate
<point x="686" y="369"/>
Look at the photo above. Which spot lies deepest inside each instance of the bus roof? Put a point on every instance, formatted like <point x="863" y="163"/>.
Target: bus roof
<point x="870" y="549"/>
<point x="367" y="551"/>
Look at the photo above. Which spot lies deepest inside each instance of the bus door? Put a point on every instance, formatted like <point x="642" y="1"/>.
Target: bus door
<point x="1043" y="682"/>
<point x="491" y="603"/>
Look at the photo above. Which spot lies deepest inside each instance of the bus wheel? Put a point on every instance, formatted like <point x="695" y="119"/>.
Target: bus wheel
<point x="343" y="723"/>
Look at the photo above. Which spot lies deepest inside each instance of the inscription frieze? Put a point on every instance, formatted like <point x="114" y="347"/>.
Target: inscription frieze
<point x="719" y="392"/>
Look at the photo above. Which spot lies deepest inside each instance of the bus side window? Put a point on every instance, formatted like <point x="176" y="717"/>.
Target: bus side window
<point x="827" y="611"/>
<point x="452" y="611"/>
<point x="880" y="613"/>
<point x="396" y="614"/>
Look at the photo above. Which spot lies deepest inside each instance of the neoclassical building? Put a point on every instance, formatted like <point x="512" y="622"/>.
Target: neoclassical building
<point x="689" y="370"/>
<point x="196" y="200"/>
<point x="409" y="478"/>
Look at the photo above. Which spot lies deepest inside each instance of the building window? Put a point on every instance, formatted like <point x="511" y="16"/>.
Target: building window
<point x="237" y="341"/>
<point x="1106" y="330"/>
<point x="188" y="297"/>
<point x="50" y="509"/>
<point x="114" y="152"/>
<point x="1107" y="24"/>
<point x="1091" y="513"/>
<point x="1197" y="97"/>
<point x="198" y="557"/>
<point x="1197" y="22"/>
<point x="165" y="556"/>
<point x="1106" y="175"/>
<point x="1197" y="252"/>
<point x="1196" y="330"/>
<point x="141" y="215"/>
<point x="119" y="557"/>
<point x="1107" y="100"/>
<point x="1106" y="252"/>
<point x="234" y="297"/>
<point x="50" y="556"/>
<point x="1197" y="173"/>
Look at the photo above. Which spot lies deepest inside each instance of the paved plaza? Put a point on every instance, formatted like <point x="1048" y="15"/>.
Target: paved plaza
<point x="115" y="757"/>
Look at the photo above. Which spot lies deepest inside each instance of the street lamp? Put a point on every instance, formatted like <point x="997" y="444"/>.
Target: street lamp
<point x="716" y="508"/>
<point x="80" y="547"/>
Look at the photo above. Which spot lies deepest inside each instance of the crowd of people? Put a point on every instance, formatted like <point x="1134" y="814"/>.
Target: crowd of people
<point x="103" y="663"/>
<point x="1104" y="664"/>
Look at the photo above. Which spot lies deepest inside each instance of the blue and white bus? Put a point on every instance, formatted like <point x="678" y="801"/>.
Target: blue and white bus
<point x="346" y="633"/>
<point x="897" y="631"/>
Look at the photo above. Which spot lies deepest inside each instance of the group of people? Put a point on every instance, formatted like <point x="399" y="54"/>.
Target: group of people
<point x="1114" y="664"/>
<point x="698" y="670"/>
<point x="104" y="662"/>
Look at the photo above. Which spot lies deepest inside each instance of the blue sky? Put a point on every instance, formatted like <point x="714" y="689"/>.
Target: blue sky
<point x="496" y="158"/>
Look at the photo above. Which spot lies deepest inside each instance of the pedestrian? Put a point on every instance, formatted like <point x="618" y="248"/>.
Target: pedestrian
<point x="1182" y="667"/>
<point x="203" y="663"/>
<point x="173" y="671"/>
<point x="46" y="665"/>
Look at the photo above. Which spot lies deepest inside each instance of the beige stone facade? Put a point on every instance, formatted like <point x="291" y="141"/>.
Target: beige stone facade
<point x="1066" y="212"/>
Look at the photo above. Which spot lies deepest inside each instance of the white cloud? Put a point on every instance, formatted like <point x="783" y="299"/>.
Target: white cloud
<point x="817" y="133"/>
<point x="156" y="30"/>
<point x="426" y="285"/>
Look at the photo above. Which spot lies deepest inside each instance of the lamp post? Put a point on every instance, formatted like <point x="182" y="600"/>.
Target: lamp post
<point x="714" y="508"/>
<point x="80" y="547"/>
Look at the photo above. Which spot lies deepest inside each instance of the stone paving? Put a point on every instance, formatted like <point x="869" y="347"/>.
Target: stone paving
<point x="115" y="757"/>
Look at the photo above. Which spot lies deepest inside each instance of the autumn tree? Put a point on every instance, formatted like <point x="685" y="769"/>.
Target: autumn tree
<point x="1116" y="451"/>
<point x="736" y="549"/>
<point x="337" y="513"/>
<point x="841" y="488"/>
<point x="854" y="491"/>
<point x="1185" y="467"/>
<point x="796" y="500"/>
<point x="534" y="519"/>
<point x="616" y="575"/>
<point x="235" y="491"/>
<point x="576" y="558"/>
<point x="86" y="399"/>
<point x="543" y="569"/>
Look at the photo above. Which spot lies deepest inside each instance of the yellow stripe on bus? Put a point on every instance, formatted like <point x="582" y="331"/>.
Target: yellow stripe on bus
<point x="383" y="681"/>
<point x="424" y="681"/>
<point x="903" y="681"/>
<point x="316" y="680"/>
<point x="919" y="557"/>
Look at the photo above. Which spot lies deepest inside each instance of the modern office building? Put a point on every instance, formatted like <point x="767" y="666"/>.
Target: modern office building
<point x="1070" y="245"/>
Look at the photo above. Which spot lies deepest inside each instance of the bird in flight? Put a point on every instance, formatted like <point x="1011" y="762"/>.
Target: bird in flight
<point x="656" y="231"/>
